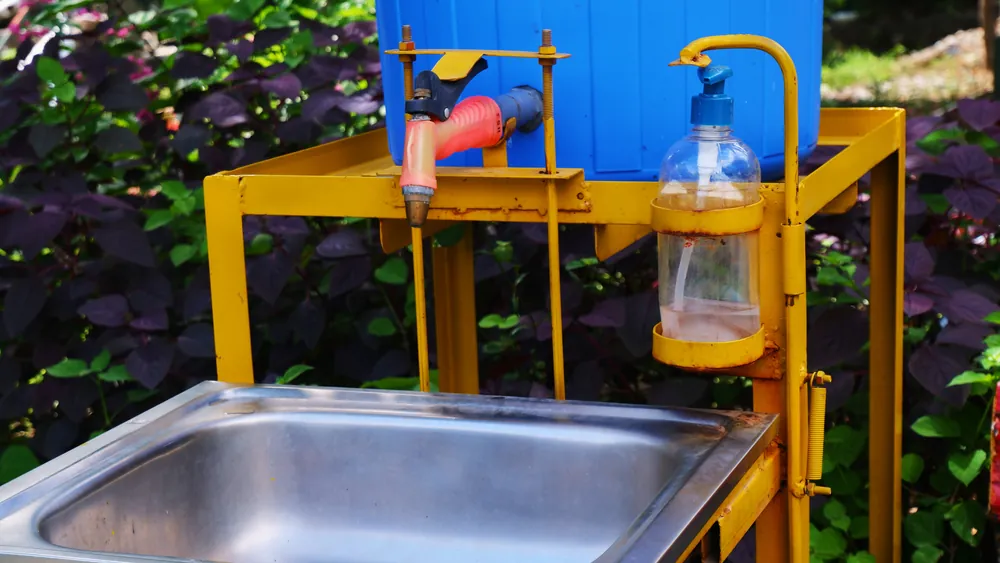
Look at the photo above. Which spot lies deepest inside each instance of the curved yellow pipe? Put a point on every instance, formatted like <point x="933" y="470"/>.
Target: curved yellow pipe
<point x="793" y="241"/>
<point x="693" y="54"/>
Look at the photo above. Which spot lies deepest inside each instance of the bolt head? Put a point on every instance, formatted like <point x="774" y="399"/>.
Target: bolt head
<point x="447" y="112"/>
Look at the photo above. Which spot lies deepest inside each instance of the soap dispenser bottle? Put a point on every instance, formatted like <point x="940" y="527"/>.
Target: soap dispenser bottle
<point x="709" y="285"/>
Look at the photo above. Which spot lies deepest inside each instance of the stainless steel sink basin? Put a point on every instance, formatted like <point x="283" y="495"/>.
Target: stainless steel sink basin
<point x="310" y="475"/>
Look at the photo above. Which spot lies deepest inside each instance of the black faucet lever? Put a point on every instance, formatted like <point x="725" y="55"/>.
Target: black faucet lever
<point x="437" y="98"/>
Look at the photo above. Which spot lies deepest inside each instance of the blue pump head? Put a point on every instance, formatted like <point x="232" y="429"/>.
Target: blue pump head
<point x="713" y="106"/>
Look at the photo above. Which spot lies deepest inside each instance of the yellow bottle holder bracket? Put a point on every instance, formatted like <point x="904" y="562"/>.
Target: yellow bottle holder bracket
<point x="713" y="222"/>
<point x="707" y="355"/>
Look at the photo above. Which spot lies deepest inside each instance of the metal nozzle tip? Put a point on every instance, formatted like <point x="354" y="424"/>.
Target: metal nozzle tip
<point x="418" y="201"/>
<point x="416" y="212"/>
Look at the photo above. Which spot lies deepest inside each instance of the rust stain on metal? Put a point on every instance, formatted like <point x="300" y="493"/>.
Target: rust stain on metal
<point x="748" y="419"/>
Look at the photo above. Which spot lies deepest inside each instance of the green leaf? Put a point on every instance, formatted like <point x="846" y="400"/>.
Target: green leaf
<point x="68" y="368"/>
<point x="581" y="263"/>
<point x="966" y="466"/>
<point x="968" y="521"/>
<point x="942" y="480"/>
<point x="828" y="543"/>
<point x="157" y="219"/>
<point x="65" y="92"/>
<point x="182" y="253"/>
<point x="993" y="317"/>
<point x="392" y="383"/>
<point x="490" y="321"/>
<point x="174" y="4"/>
<point x="510" y="322"/>
<point x="859" y="528"/>
<point x="184" y="205"/>
<point x="844" y="444"/>
<point x="394" y="271"/>
<point x="967" y="377"/>
<point x="845" y="482"/>
<point x="141" y="17"/>
<point x="836" y="513"/>
<point x="174" y="190"/>
<point x="828" y="275"/>
<point x="140" y="395"/>
<point x="16" y="460"/>
<point x="503" y="252"/>
<point x="923" y="527"/>
<point x="117" y="374"/>
<point x="981" y="139"/>
<point x="262" y="243"/>
<point x="927" y="554"/>
<point x="450" y="236"/>
<point x="301" y="41"/>
<point x="100" y="363"/>
<point x="278" y="18"/>
<point x="912" y="468"/>
<point x="936" y="142"/>
<point x="861" y="557"/>
<point x="51" y="70"/>
<point x="244" y="9"/>
<point x="381" y="326"/>
<point x="937" y="203"/>
<point x="936" y="426"/>
<point x="292" y="373"/>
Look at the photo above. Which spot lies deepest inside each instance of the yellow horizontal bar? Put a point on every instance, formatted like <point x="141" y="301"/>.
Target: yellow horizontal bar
<point x="742" y="507"/>
<point x="463" y="194"/>
<point x="833" y="141"/>
<point x="493" y="53"/>
<point x="751" y="496"/>
<point x="713" y="222"/>
<point x="877" y="138"/>
<point x="843" y="202"/>
<point x="612" y="239"/>
<point x="850" y="124"/>
<point x="707" y="355"/>
<point x="353" y="155"/>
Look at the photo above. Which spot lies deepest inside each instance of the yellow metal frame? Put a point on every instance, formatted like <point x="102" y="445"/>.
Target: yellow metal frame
<point x="355" y="177"/>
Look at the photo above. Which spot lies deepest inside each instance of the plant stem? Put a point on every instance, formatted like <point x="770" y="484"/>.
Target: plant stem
<point x="104" y="404"/>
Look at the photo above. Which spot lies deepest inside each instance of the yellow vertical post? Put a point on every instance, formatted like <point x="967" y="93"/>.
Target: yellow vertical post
<point x="455" y="305"/>
<point x="455" y="317"/>
<point x="228" y="279"/>
<point x="552" y="219"/>
<point x="769" y="395"/>
<point x="885" y="372"/>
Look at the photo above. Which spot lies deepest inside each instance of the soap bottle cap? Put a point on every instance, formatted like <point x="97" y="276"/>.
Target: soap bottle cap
<point x="713" y="106"/>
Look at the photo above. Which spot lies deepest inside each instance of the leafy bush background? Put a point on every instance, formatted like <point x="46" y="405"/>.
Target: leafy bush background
<point x="106" y="135"/>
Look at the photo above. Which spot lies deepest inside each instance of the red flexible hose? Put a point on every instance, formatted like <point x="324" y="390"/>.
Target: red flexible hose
<point x="475" y="123"/>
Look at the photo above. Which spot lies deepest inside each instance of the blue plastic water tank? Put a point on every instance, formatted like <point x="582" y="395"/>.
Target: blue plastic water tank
<point x="618" y="106"/>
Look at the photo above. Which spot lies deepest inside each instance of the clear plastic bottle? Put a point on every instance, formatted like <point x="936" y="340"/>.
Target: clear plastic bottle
<point x="709" y="286"/>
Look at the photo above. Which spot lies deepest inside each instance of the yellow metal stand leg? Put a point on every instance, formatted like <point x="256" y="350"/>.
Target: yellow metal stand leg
<point x="772" y="526"/>
<point x="885" y="372"/>
<point x="455" y="317"/>
<point x="228" y="277"/>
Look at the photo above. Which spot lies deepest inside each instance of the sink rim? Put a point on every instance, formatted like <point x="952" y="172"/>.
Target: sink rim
<point x="660" y="533"/>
